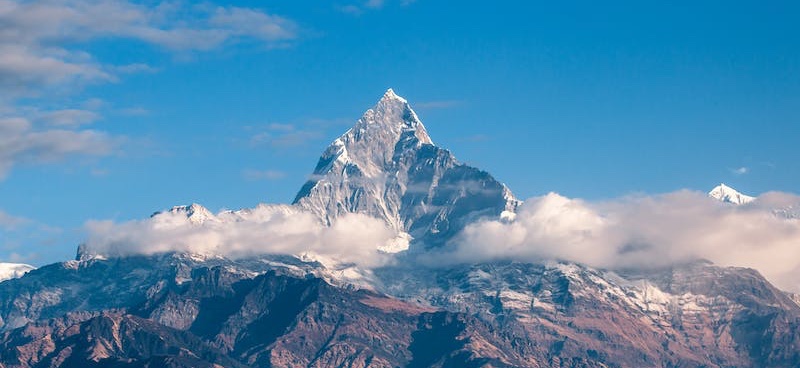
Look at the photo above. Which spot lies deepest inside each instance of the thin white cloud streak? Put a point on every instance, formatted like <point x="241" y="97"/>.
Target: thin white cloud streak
<point x="644" y="232"/>
<point x="374" y="4"/>
<point x="281" y="136"/>
<point x="251" y="174"/>
<point x="740" y="170"/>
<point x="352" y="239"/>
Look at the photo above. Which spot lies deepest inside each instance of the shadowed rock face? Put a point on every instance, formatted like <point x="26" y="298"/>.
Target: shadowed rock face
<point x="220" y="317"/>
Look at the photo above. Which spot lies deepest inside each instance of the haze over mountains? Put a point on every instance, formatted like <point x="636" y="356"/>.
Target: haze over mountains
<point x="396" y="254"/>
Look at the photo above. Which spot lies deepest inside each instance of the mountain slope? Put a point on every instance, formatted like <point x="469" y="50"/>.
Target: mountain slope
<point x="387" y="166"/>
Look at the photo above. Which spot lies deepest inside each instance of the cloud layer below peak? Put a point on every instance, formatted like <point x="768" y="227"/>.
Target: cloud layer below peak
<point x="645" y="232"/>
<point x="266" y="229"/>
<point x="639" y="232"/>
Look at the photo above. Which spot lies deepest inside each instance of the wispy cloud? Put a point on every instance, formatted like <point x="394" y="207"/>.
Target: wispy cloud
<point x="68" y="117"/>
<point x="22" y="142"/>
<point x="45" y="51"/>
<point x="251" y="174"/>
<point x="363" y="6"/>
<point x="285" y="136"/>
<point x="41" y="42"/>
<point x="133" y="111"/>
<point x="374" y="4"/>
<point x="9" y="222"/>
<point x="740" y="170"/>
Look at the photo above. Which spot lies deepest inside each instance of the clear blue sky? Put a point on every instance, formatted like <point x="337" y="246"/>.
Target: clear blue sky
<point x="229" y="104"/>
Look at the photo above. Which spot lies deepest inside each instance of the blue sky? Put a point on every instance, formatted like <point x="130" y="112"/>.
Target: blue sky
<point x="113" y="109"/>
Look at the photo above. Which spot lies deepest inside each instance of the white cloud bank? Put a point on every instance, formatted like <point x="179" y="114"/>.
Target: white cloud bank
<point x="266" y="229"/>
<point x="641" y="232"/>
<point x="645" y="232"/>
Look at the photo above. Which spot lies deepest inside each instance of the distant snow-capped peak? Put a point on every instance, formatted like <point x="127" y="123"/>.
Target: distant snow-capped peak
<point x="196" y="213"/>
<point x="724" y="193"/>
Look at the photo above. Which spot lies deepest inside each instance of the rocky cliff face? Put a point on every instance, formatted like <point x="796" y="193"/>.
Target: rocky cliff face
<point x="205" y="310"/>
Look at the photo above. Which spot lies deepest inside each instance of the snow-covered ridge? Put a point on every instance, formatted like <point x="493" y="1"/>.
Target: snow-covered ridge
<point x="727" y="194"/>
<point x="13" y="270"/>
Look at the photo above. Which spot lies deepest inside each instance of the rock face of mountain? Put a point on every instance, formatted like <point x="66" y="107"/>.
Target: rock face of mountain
<point x="205" y="310"/>
<point x="224" y="316"/>
<point x="387" y="166"/>
<point x="724" y="193"/>
<point x="173" y="310"/>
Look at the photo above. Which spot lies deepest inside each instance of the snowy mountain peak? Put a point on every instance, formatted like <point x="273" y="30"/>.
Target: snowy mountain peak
<point x="390" y="120"/>
<point x="727" y="194"/>
<point x="390" y="95"/>
<point x="196" y="213"/>
<point x="387" y="166"/>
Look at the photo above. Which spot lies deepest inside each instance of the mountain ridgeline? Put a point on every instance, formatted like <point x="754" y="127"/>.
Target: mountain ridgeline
<point x="181" y="309"/>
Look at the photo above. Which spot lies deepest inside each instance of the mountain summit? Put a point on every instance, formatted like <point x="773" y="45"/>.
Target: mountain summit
<point x="727" y="194"/>
<point x="387" y="166"/>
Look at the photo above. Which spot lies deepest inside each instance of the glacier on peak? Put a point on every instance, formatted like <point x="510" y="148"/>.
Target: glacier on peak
<point x="387" y="166"/>
<point x="724" y="193"/>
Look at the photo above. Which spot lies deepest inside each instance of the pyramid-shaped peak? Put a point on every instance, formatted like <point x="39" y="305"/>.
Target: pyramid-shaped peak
<point x="387" y="167"/>
<point x="391" y="119"/>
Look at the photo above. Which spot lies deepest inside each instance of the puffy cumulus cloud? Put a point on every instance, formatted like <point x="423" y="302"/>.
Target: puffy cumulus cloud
<point x="645" y="232"/>
<point x="22" y="141"/>
<point x="352" y="239"/>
